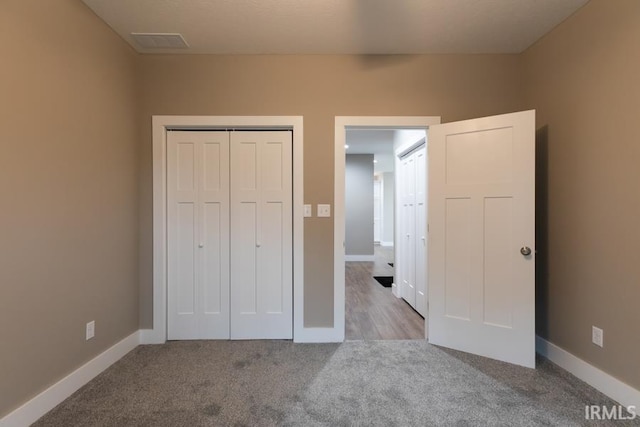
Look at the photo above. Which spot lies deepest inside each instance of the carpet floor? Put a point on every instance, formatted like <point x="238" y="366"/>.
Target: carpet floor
<point x="361" y="383"/>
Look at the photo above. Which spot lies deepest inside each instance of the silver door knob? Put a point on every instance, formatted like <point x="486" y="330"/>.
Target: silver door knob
<point x="201" y="245"/>
<point x="258" y="244"/>
<point x="525" y="250"/>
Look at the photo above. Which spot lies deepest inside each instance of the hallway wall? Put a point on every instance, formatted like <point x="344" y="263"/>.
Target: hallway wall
<point x="358" y="204"/>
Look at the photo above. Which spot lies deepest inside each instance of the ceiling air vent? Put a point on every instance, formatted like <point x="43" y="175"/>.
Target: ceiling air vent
<point x="160" y="40"/>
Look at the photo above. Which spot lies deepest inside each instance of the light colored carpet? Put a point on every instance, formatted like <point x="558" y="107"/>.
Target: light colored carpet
<point x="364" y="383"/>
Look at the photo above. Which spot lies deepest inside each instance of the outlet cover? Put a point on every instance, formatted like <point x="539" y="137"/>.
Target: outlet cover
<point x="91" y="330"/>
<point x="324" y="211"/>
<point x="597" y="336"/>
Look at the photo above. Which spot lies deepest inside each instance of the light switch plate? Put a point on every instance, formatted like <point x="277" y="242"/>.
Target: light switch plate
<point x="90" y="330"/>
<point x="307" y="211"/>
<point x="324" y="211"/>
<point x="597" y="336"/>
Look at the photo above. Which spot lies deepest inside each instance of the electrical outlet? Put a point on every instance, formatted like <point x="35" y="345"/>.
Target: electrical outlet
<point x="597" y="336"/>
<point x="324" y="211"/>
<point x="91" y="330"/>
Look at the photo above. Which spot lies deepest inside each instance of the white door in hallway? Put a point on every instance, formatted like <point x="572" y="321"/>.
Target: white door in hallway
<point x="408" y="232"/>
<point x="412" y="257"/>
<point x="421" y="231"/>
<point x="481" y="237"/>
<point x="261" y="230"/>
<point x="198" y="235"/>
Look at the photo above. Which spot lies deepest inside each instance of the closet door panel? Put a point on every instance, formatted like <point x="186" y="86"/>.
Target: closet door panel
<point x="276" y="265"/>
<point x="273" y="170"/>
<point x="421" y="231"/>
<point x="214" y="235"/>
<point x="244" y="167"/>
<point x="198" y="234"/>
<point x="261" y="246"/>
<point x="183" y="270"/>
<point x="181" y="235"/>
<point x="213" y="170"/>
<point x="273" y="252"/>
<point x="183" y="170"/>
<point x="214" y="254"/>
<point x="408" y="291"/>
<point x="245" y="255"/>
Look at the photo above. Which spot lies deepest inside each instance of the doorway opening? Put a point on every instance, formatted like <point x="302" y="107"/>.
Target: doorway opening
<point x="369" y="156"/>
<point x="481" y="229"/>
<point x="373" y="311"/>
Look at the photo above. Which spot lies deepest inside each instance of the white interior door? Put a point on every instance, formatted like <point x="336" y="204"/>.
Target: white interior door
<point x="198" y="235"/>
<point x="421" y="231"/>
<point x="408" y="290"/>
<point x="481" y="232"/>
<point x="261" y="226"/>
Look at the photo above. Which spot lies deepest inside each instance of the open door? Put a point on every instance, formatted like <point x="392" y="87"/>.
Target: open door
<point x="481" y="237"/>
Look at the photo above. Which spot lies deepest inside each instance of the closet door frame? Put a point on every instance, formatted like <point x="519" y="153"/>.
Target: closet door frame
<point x="160" y="125"/>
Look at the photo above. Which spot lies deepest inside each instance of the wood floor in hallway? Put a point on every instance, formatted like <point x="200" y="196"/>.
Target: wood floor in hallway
<point x="372" y="311"/>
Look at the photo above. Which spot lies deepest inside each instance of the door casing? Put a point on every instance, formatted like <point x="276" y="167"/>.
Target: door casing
<point x="342" y="123"/>
<point x="160" y="125"/>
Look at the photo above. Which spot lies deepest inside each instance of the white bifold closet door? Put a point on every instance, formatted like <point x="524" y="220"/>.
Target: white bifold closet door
<point x="421" y="231"/>
<point x="198" y="235"/>
<point x="229" y="231"/>
<point x="412" y="257"/>
<point x="408" y="185"/>
<point x="261" y="230"/>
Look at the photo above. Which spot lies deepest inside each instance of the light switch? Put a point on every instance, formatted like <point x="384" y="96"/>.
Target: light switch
<point x="307" y="211"/>
<point x="324" y="211"/>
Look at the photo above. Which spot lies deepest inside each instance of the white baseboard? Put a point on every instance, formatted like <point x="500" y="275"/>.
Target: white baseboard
<point x="596" y="378"/>
<point x="395" y="290"/>
<point x="349" y="258"/>
<point x="386" y="243"/>
<point x="319" y="335"/>
<point x="35" y="408"/>
<point x="151" y="336"/>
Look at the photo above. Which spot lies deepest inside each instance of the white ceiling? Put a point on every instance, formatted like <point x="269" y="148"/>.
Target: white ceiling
<point x="370" y="141"/>
<point x="339" y="26"/>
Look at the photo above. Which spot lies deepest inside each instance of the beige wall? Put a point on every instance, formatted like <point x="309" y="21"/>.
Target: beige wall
<point x="583" y="79"/>
<point x="68" y="181"/>
<point x="318" y="88"/>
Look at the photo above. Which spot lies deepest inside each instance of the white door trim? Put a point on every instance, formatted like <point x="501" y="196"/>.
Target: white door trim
<point x="160" y="124"/>
<point x="341" y="125"/>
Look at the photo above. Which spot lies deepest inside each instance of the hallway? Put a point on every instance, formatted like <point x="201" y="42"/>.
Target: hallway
<point x="372" y="311"/>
